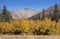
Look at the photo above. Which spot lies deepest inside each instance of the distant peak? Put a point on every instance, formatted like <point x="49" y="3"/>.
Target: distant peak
<point x="27" y="9"/>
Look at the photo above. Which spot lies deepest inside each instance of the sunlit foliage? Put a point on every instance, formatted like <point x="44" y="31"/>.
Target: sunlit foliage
<point x="28" y="26"/>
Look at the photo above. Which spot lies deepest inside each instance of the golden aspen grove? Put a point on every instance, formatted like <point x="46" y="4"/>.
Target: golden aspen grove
<point x="28" y="26"/>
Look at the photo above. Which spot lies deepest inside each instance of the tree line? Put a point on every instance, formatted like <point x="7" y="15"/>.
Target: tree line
<point x="6" y="16"/>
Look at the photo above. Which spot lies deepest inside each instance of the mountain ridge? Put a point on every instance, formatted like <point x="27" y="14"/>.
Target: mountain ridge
<point x="24" y="13"/>
<point x="28" y="12"/>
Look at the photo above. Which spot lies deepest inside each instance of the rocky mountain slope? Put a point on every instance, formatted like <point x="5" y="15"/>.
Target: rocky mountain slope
<point x="29" y="13"/>
<point x="50" y="9"/>
<point x="24" y="13"/>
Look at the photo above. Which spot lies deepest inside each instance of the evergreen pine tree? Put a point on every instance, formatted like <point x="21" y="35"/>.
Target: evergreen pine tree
<point x="43" y="14"/>
<point x="39" y="16"/>
<point x="50" y="15"/>
<point x="0" y="14"/>
<point x="5" y="15"/>
<point x="56" y="13"/>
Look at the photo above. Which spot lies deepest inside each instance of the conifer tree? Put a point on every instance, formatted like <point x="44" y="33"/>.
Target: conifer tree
<point x="5" y="15"/>
<point x="39" y="16"/>
<point x="56" y="13"/>
<point x="43" y="14"/>
<point x="0" y="14"/>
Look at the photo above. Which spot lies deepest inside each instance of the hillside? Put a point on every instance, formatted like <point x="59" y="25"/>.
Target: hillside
<point x="29" y="13"/>
<point x="50" y="9"/>
<point x="24" y="13"/>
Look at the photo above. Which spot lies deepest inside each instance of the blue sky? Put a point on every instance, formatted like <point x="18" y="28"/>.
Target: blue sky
<point x="33" y="4"/>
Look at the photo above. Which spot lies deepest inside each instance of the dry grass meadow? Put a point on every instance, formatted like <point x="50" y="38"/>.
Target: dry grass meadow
<point x="27" y="37"/>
